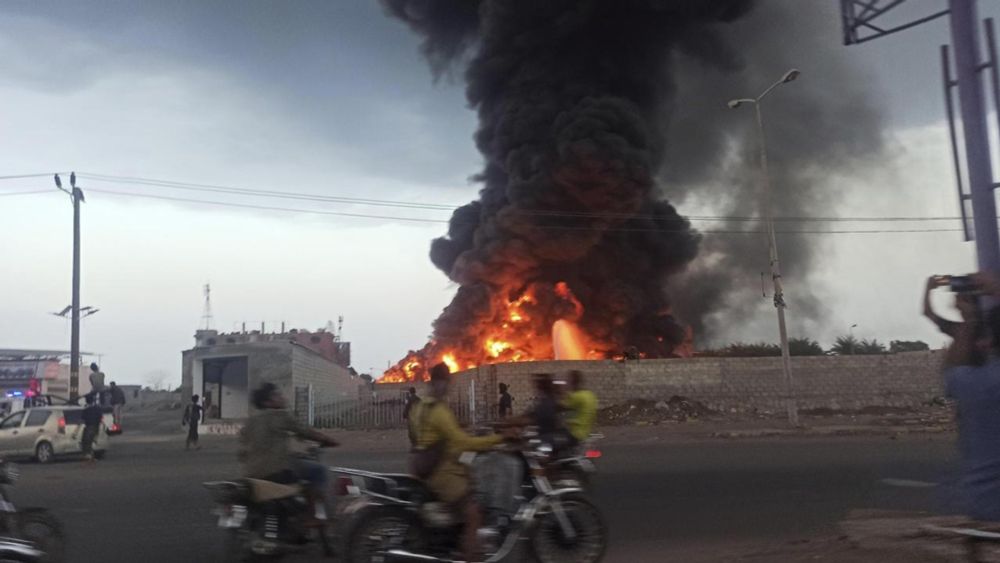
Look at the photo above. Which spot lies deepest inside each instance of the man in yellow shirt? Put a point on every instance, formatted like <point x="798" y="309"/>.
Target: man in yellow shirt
<point x="581" y="407"/>
<point x="433" y="422"/>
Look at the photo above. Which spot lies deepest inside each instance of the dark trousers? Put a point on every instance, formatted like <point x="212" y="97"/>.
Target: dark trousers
<point x="87" y="440"/>
<point x="192" y="437"/>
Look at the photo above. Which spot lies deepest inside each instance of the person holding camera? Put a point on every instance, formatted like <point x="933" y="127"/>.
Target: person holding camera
<point x="972" y="379"/>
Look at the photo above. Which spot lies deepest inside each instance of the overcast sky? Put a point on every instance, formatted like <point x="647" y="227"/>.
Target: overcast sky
<point x="332" y="98"/>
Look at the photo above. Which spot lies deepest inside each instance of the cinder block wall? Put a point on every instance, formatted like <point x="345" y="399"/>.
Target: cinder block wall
<point x="330" y="381"/>
<point x="838" y="382"/>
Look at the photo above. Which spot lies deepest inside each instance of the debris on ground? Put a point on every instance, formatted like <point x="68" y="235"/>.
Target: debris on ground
<point x="935" y="415"/>
<point x="645" y="411"/>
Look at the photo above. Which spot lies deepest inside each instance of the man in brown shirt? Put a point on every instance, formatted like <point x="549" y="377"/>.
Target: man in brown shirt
<point x="264" y="444"/>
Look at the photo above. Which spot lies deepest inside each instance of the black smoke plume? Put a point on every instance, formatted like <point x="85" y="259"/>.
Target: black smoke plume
<point x="590" y="113"/>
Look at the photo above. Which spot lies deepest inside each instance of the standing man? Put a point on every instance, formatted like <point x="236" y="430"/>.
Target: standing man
<point x="411" y="401"/>
<point x="506" y="406"/>
<point x="192" y="418"/>
<point x="92" y="416"/>
<point x="97" y="383"/>
<point x="972" y="378"/>
<point x="117" y="402"/>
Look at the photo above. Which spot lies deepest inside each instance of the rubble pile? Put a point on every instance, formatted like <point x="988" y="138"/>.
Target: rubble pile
<point x="645" y="411"/>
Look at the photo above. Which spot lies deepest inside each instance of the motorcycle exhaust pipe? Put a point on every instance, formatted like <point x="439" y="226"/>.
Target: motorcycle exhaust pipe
<point x="403" y="556"/>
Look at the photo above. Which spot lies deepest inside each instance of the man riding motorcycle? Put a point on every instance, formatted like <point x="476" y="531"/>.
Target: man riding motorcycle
<point x="435" y="428"/>
<point x="581" y="408"/>
<point x="264" y="446"/>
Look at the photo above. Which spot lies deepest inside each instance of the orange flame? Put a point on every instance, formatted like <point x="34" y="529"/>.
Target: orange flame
<point x="568" y="341"/>
<point x="526" y="326"/>
<point x="449" y="360"/>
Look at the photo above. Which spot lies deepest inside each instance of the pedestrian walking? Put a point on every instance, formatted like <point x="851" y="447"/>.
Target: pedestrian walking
<point x="192" y="418"/>
<point x="97" y="384"/>
<point x="117" y="402"/>
<point x="92" y="417"/>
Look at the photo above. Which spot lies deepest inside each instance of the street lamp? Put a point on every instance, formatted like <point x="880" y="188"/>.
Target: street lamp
<point x="779" y="296"/>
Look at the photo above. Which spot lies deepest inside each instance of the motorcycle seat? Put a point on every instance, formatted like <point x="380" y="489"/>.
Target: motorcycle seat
<point x="266" y="491"/>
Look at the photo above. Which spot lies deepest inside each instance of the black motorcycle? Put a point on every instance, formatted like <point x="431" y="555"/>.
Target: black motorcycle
<point x="27" y="534"/>
<point x="265" y="521"/>
<point x="386" y="518"/>
<point x="577" y="468"/>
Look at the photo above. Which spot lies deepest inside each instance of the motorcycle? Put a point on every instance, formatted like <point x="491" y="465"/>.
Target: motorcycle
<point x="577" y="468"/>
<point x="264" y="520"/>
<point x="29" y="534"/>
<point x="394" y="518"/>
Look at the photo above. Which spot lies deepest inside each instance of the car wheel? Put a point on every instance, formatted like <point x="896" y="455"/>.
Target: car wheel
<point x="44" y="452"/>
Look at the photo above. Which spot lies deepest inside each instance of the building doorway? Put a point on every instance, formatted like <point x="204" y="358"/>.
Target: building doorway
<point x="225" y="388"/>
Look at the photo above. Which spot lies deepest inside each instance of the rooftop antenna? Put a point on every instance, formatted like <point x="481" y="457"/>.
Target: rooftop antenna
<point x="340" y="328"/>
<point x="206" y="317"/>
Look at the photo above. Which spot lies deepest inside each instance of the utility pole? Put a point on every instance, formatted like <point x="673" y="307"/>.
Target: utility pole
<point x="74" y="368"/>
<point x="862" y="23"/>
<point x="767" y="204"/>
<point x="965" y="43"/>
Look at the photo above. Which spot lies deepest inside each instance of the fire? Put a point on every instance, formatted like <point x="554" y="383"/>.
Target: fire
<point x="496" y="347"/>
<point x="534" y="322"/>
<point x="449" y="360"/>
<point x="568" y="341"/>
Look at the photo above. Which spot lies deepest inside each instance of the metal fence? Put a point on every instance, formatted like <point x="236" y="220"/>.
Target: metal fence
<point x="381" y="412"/>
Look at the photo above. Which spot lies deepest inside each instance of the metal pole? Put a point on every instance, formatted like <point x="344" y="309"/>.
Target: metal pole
<point x="74" y="368"/>
<point x="779" y="297"/>
<point x="965" y="42"/>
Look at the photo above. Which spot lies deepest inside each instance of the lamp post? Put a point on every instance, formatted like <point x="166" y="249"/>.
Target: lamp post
<point x="766" y="205"/>
<point x="851" y="332"/>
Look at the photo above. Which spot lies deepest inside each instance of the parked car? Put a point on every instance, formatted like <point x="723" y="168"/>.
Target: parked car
<point x="49" y="431"/>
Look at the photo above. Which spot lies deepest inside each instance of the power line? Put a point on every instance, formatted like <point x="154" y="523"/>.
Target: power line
<point x="5" y="194"/>
<point x="35" y="175"/>
<point x="230" y="190"/>
<point x="544" y="227"/>
<point x="444" y="207"/>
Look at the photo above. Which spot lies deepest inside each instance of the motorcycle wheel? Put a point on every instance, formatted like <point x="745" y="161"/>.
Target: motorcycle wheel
<point x="379" y="531"/>
<point x="41" y="528"/>
<point x="550" y="544"/>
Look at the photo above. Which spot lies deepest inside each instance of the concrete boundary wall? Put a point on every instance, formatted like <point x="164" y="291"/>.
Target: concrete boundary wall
<point x="743" y="384"/>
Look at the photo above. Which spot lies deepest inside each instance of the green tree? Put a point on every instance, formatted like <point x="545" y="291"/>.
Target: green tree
<point x="804" y="347"/>
<point x="870" y="347"/>
<point x="845" y="346"/>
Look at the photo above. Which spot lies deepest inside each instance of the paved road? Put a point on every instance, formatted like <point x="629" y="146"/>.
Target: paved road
<point x="663" y="502"/>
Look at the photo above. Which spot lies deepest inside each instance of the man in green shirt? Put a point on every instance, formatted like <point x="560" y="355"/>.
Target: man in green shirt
<point x="581" y="407"/>
<point x="434" y="423"/>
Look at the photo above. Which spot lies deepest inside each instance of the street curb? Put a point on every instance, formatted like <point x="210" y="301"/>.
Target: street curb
<point x="831" y="431"/>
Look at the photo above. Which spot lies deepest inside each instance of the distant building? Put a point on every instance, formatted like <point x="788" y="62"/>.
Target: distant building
<point x="309" y="367"/>
<point x="25" y="371"/>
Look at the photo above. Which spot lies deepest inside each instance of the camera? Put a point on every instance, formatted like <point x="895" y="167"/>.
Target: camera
<point x="961" y="284"/>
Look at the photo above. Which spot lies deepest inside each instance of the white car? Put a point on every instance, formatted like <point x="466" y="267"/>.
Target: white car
<point x="49" y="431"/>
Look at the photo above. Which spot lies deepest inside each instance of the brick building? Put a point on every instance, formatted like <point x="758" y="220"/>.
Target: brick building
<point x="309" y="368"/>
<point x="41" y="371"/>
